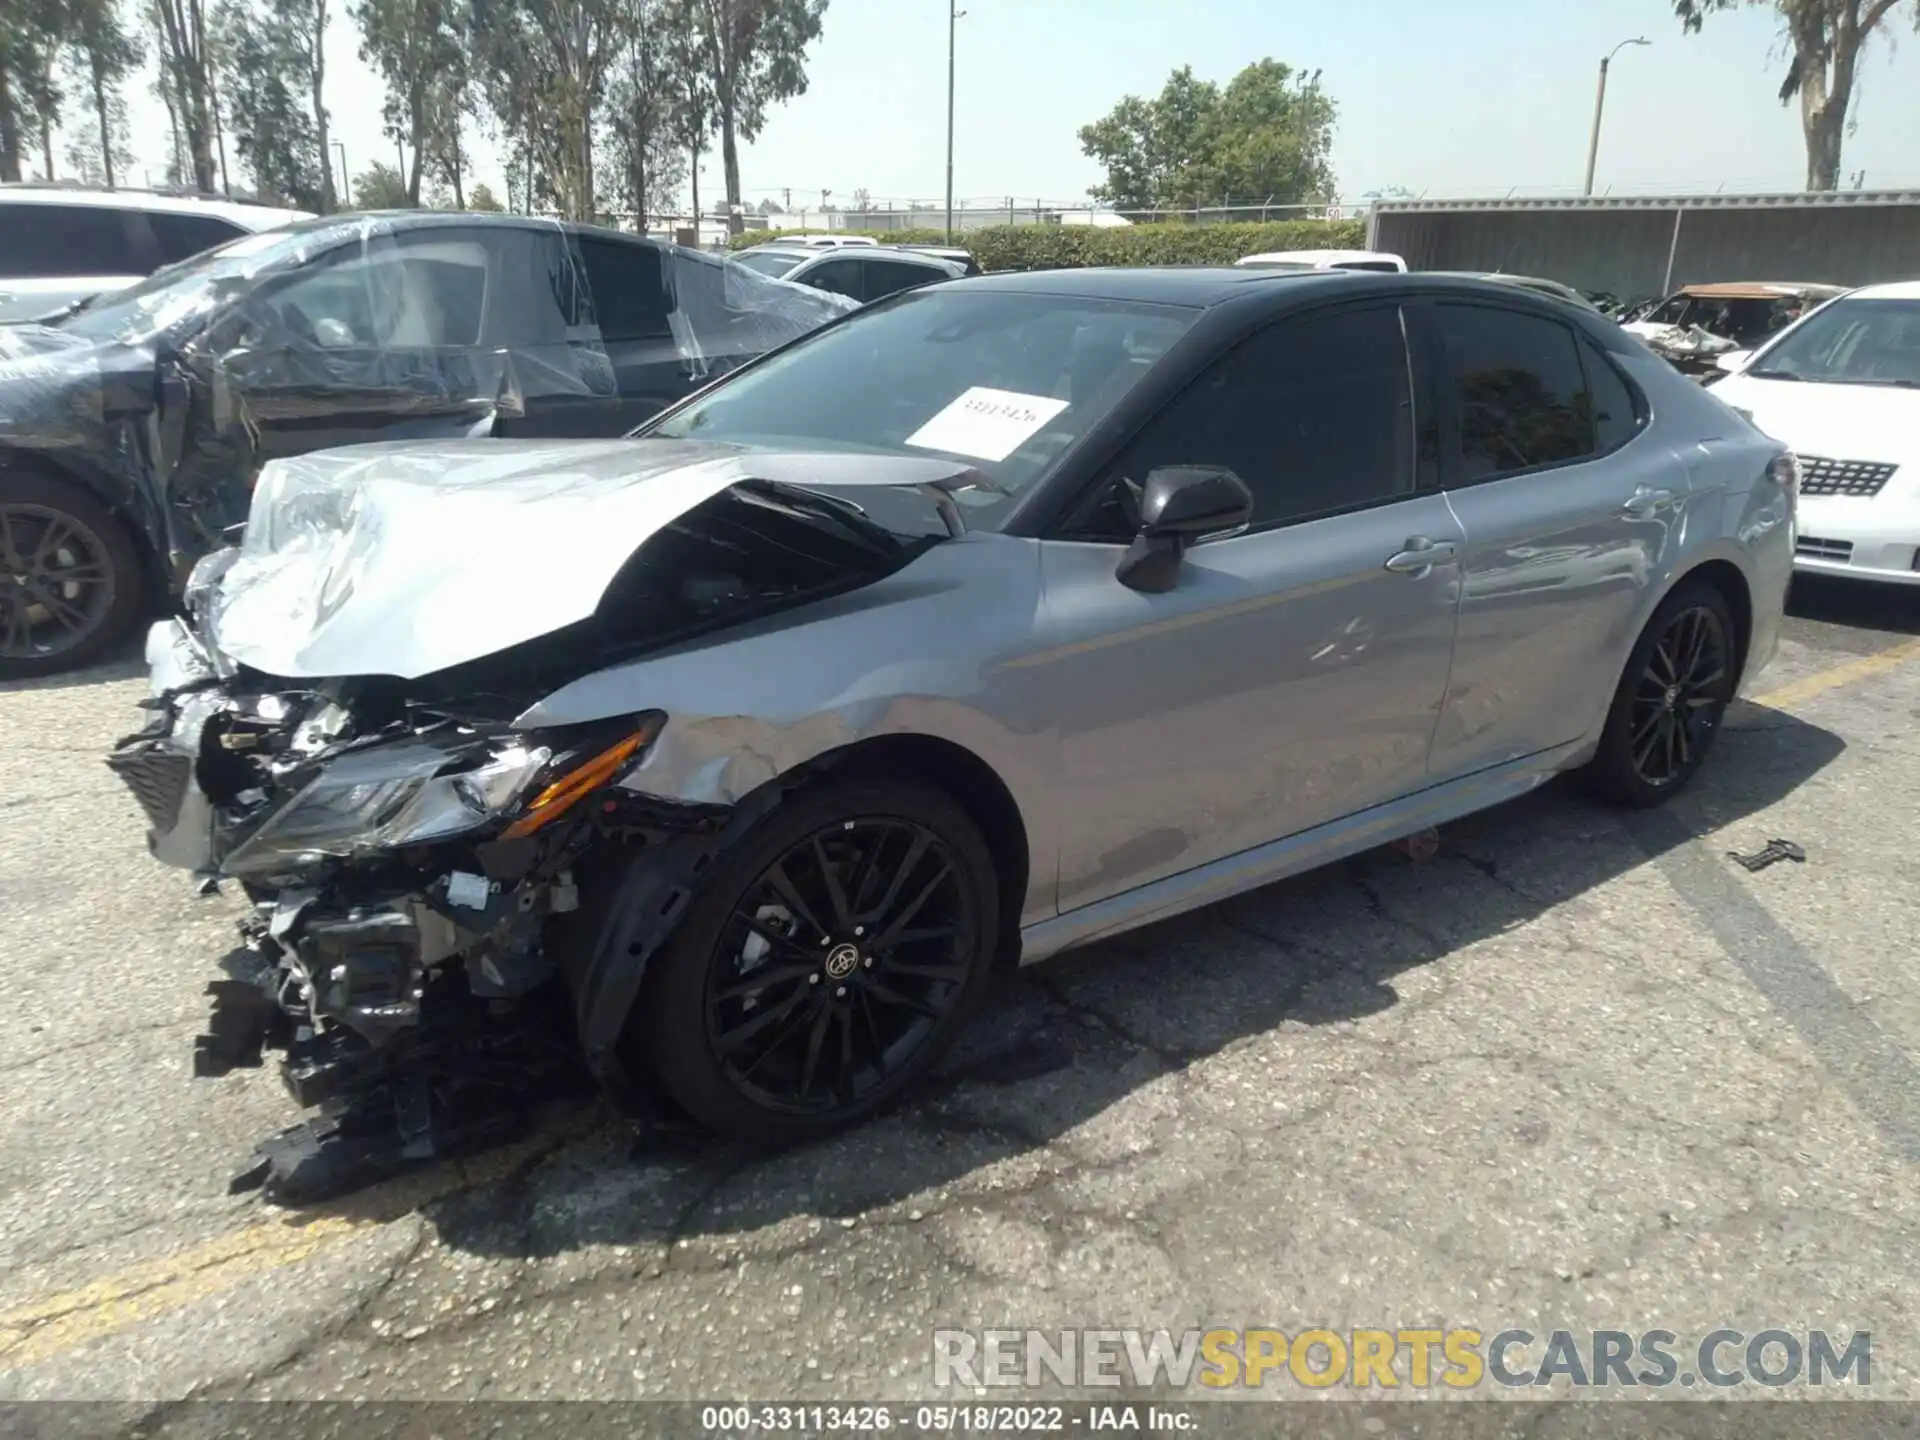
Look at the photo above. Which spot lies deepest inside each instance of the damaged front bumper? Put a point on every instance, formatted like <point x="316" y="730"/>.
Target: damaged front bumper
<point x="426" y="996"/>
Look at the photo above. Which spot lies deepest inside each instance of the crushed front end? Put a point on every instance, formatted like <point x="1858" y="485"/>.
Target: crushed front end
<point x="411" y="869"/>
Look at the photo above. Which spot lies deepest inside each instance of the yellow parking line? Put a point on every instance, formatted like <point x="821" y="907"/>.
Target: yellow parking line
<point x="60" y="1322"/>
<point x="57" y="1323"/>
<point x="1799" y="691"/>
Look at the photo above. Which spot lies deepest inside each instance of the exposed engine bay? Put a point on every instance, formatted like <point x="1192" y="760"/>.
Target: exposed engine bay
<point x="449" y="914"/>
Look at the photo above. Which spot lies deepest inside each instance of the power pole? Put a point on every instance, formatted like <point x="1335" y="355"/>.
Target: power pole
<point x="953" y="15"/>
<point x="1600" y="105"/>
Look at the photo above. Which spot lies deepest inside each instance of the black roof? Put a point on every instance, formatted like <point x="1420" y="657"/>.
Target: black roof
<point x="1194" y="285"/>
<point x="1204" y="286"/>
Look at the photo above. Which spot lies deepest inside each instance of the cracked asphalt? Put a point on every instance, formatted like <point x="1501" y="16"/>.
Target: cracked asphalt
<point x="1577" y="1070"/>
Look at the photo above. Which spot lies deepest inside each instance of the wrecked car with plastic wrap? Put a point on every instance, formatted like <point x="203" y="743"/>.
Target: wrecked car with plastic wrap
<point x="723" y="767"/>
<point x="133" y="425"/>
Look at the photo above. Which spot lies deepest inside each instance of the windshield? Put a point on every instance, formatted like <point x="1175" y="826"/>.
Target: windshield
<point x="188" y="287"/>
<point x="767" y="262"/>
<point x="1851" y="342"/>
<point x="1007" y="381"/>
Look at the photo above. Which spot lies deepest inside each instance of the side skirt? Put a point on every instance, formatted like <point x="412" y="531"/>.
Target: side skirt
<point x="1310" y="849"/>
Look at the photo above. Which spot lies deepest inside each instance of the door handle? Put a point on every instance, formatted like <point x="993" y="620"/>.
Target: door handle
<point x="1421" y="555"/>
<point x="1646" y="501"/>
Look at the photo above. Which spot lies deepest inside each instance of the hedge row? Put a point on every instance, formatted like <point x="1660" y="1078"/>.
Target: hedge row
<point x="1059" y="247"/>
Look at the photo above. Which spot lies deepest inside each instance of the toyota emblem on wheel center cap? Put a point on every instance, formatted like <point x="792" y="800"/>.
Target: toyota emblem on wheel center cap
<point x="842" y="961"/>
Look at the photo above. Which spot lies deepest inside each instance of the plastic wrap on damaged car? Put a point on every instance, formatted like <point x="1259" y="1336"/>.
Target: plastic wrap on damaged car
<point x="174" y="393"/>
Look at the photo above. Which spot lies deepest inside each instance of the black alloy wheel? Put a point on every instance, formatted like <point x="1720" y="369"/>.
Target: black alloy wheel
<point x="1679" y="696"/>
<point x="838" y="963"/>
<point x="827" y="965"/>
<point x="1671" y="700"/>
<point x="68" y="583"/>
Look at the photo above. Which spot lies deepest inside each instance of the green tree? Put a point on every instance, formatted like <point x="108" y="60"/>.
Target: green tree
<point x="1265" y="138"/>
<point x="694" y="106"/>
<point x="305" y="28"/>
<point x="755" y="54"/>
<point x="265" y="86"/>
<point x="544" y="67"/>
<point x="642" y="100"/>
<point x="414" y="45"/>
<point x="381" y="187"/>
<point x="483" y="198"/>
<point x="31" y="35"/>
<point x="100" y="56"/>
<point x="1827" y="39"/>
<point x="186" y="70"/>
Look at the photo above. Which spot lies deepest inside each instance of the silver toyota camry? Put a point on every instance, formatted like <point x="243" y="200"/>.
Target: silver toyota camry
<point x="727" y="765"/>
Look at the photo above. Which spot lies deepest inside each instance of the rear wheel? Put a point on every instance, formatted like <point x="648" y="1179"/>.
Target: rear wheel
<point x="1672" y="698"/>
<point x="69" y="577"/>
<point x="828" y="962"/>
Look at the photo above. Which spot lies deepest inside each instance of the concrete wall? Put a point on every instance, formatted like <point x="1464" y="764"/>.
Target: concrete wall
<point x="1625" y="251"/>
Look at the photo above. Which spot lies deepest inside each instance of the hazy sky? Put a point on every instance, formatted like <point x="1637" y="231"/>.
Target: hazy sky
<point x="1479" y="97"/>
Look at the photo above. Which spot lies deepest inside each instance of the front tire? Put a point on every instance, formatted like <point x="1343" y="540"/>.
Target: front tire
<point x="1672" y="698"/>
<point x="70" y="577"/>
<point x="827" y="963"/>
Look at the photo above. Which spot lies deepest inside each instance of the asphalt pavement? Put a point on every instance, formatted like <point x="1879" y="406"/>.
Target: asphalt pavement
<point x="1577" y="1070"/>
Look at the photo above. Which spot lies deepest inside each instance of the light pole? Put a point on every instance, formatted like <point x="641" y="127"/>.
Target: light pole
<point x="954" y="13"/>
<point x="1600" y="104"/>
<point x="346" y="184"/>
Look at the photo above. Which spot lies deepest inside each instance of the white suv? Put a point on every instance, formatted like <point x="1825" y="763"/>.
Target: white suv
<point x="60" y="244"/>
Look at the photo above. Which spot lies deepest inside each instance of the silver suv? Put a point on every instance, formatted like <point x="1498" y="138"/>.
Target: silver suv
<point x="59" y="243"/>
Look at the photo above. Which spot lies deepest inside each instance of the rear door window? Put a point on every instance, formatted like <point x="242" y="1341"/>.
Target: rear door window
<point x="1519" y="391"/>
<point x="629" y="290"/>
<point x="52" y="241"/>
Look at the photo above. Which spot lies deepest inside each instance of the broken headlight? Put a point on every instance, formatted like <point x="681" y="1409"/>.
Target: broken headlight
<point x="430" y="788"/>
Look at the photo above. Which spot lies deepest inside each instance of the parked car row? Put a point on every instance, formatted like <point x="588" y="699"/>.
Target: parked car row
<point x="563" y="666"/>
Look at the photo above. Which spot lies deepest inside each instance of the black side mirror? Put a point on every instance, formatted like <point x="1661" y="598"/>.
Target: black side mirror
<point x="1179" y="505"/>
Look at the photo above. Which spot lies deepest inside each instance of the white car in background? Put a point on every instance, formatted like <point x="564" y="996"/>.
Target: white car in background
<point x="830" y="242"/>
<point x="1841" y="387"/>
<point x="1326" y="260"/>
<point x="60" y="244"/>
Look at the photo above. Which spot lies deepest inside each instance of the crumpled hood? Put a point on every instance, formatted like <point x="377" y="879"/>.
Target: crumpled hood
<point x="406" y="558"/>
<point x="1840" y="422"/>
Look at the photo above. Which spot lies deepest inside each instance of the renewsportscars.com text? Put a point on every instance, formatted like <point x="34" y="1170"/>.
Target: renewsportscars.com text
<point x="1457" y="1358"/>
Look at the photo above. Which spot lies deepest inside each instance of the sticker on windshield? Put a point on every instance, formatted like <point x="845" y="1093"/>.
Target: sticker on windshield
<point x="985" y="423"/>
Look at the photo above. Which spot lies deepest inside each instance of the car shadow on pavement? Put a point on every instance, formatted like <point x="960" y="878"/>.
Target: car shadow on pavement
<point x="126" y="661"/>
<point x="1890" y="609"/>
<point x="1074" y="1058"/>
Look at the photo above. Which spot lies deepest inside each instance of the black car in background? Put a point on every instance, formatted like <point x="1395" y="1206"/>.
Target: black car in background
<point x="133" y="426"/>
